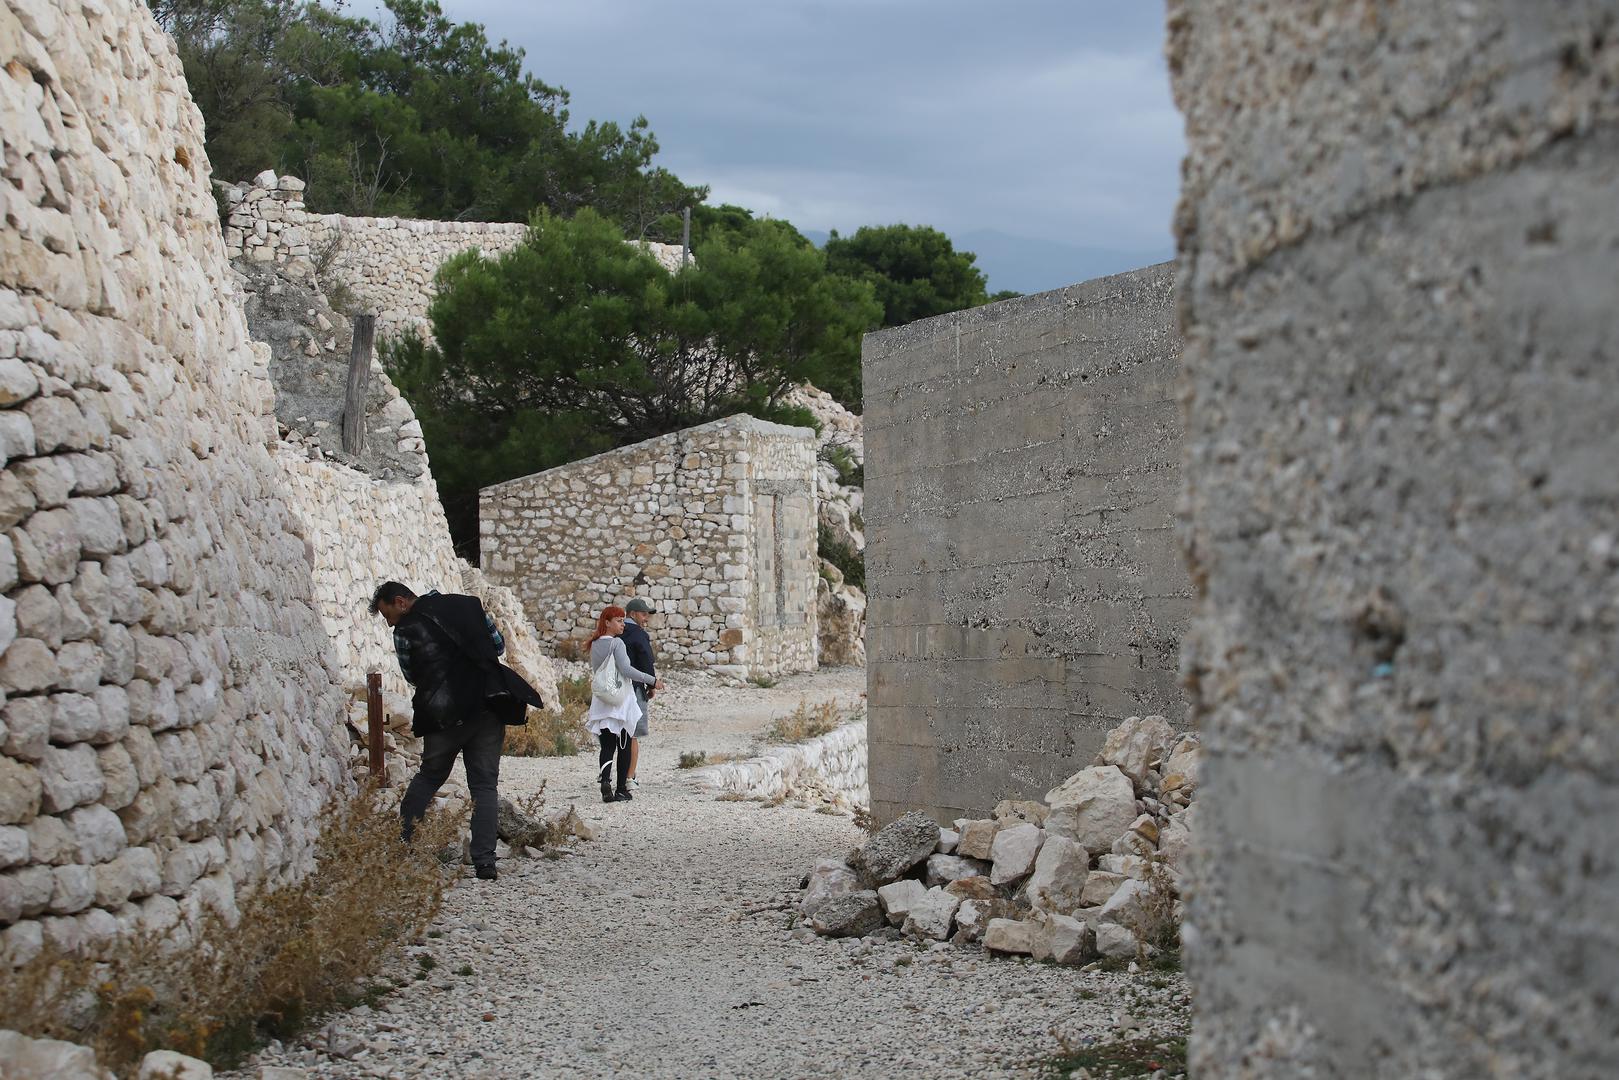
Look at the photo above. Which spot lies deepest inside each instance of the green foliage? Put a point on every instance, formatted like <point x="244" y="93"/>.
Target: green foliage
<point x="1137" y="1057"/>
<point x="916" y="270"/>
<point x="421" y="116"/>
<point x="575" y="342"/>
<point x="850" y="472"/>
<point x="850" y="563"/>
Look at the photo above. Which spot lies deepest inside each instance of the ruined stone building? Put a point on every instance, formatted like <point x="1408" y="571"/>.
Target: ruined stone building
<point x="1026" y="588"/>
<point x="715" y="525"/>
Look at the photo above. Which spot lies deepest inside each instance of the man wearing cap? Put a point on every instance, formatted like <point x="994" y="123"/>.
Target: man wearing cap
<point x="639" y="647"/>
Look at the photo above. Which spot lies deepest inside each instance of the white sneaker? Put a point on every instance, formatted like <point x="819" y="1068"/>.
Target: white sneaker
<point x="634" y="784"/>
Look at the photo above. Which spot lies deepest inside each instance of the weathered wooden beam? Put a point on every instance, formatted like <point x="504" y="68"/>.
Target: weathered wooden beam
<point x="365" y="336"/>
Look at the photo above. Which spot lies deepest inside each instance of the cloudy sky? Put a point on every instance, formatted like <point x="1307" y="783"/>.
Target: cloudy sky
<point x="1039" y="133"/>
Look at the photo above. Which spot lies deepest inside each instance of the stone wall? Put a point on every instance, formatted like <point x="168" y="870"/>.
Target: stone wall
<point x="171" y="699"/>
<point x="715" y="525"/>
<point x="387" y="263"/>
<point x="830" y="768"/>
<point x="1399" y="259"/>
<point x="1026" y="590"/>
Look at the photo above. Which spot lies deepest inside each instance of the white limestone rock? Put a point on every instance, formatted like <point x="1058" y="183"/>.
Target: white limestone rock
<point x="1114" y="941"/>
<point x="1093" y="808"/>
<point x="976" y="837"/>
<point x="943" y="869"/>
<point x="829" y="879"/>
<point x="1060" y="873"/>
<point x="1010" y="936"/>
<point x="932" y="916"/>
<point x="1124" y="906"/>
<point x="48" y="1059"/>
<point x="1176" y="839"/>
<point x="850" y="915"/>
<point x="1068" y="940"/>
<point x="1136" y="745"/>
<point x="897" y="847"/>
<point x="170" y="1065"/>
<point x="1014" y="852"/>
<point x="897" y="898"/>
<point x="947" y="841"/>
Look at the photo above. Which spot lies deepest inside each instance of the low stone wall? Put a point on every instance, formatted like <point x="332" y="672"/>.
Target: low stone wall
<point x="388" y="263"/>
<point x="715" y="525"/>
<point x="831" y="767"/>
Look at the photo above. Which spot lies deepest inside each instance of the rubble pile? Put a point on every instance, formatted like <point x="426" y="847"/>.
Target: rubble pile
<point x="1093" y="871"/>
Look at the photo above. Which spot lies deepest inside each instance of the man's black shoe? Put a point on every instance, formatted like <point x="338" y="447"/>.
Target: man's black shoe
<point x="487" y="873"/>
<point x="623" y="796"/>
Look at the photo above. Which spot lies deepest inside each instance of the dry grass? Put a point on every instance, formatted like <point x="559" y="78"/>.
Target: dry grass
<point x="295" y="952"/>
<point x="549" y="734"/>
<point x="805" y="722"/>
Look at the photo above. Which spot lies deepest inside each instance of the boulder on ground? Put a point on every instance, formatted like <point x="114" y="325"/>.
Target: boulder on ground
<point x="897" y="898"/>
<point x="973" y="917"/>
<point x="932" y="916"/>
<point x="47" y="1059"/>
<point x="1099" y="888"/>
<point x="1060" y="871"/>
<point x="1123" y="865"/>
<point x="1176" y="839"/>
<point x="1124" y="906"/>
<point x="943" y="869"/>
<point x="1140" y="839"/>
<point x="1009" y="936"/>
<point x="1093" y="808"/>
<point x="947" y="841"/>
<point x="850" y="915"/>
<point x="1115" y="941"/>
<point x="1185" y="761"/>
<point x="1136" y="745"/>
<point x="977" y="836"/>
<point x="1068" y="940"/>
<point x="169" y="1065"/>
<point x="896" y="848"/>
<point x="830" y="879"/>
<point x="1014" y="851"/>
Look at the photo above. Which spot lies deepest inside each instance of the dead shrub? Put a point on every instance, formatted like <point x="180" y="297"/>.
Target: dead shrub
<point x="805" y="722"/>
<point x="295" y="951"/>
<point x="549" y="734"/>
<point x="1154" y="924"/>
<point x="573" y="649"/>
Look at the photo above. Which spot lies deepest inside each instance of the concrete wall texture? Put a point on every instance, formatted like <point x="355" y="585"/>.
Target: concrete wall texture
<point x="1026" y="587"/>
<point x="1399" y="262"/>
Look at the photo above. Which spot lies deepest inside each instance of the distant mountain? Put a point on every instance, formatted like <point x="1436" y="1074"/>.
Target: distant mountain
<point x="1030" y="266"/>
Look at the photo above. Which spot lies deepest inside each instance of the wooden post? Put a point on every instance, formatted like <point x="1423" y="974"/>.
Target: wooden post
<point x="365" y="335"/>
<point x="373" y="715"/>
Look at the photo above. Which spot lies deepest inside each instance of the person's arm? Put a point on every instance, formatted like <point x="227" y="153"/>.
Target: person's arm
<point x="622" y="656"/>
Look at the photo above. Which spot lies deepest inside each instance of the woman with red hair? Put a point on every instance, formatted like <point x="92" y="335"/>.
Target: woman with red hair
<point x="613" y="722"/>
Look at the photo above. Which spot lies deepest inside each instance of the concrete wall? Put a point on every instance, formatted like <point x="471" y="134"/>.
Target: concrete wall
<point x="1400" y="261"/>
<point x="1026" y="590"/>
<point x="715" y="525"/>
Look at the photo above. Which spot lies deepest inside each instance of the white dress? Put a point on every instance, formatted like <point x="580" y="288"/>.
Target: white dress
<point x="620" y="719"/>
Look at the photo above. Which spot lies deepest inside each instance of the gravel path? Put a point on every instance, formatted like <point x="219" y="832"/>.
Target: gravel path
<point x="664" y="948"/>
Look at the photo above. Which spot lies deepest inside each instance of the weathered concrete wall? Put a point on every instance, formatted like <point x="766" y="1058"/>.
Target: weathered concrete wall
<point x="388" y="263"/>
<point x="1026" y="591"/>
<point x="171" y="701"/>
<point x="1400" y="259"/>
<point x="715" y="525"/>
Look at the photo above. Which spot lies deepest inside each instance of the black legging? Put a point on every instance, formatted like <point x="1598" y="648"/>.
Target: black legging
<point x="610" y="746"/>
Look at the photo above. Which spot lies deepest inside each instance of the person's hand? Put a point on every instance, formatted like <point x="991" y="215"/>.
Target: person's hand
<point x="657" y="686"/>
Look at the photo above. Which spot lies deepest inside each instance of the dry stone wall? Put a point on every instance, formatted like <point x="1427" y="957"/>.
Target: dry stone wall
<point x="1399" y="259"/>
<point x="829" y="769"/>
<point x="1025" y="585"/>
<point x="387" y="263"/>
<point x="171" y="699"/>
<point x="715" y="525"/>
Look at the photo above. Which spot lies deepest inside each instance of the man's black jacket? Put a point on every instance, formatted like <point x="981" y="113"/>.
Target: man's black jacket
<point x="639" y="648"/>
<point x="457" y="671"/>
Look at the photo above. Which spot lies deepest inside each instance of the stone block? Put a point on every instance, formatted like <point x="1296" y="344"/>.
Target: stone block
<point x="932" y="915"/>
<point x="897" y="897"/>
<point x="1010" y="936"/>
<point x="69" y="776"/>
<point x="1060" y="874"/>
<point x="1014" y="851"/>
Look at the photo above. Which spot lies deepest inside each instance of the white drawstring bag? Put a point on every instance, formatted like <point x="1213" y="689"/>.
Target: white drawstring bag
<point x="607" y="683"/>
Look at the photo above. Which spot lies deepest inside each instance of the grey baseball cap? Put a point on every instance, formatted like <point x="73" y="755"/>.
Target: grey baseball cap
<point x="638" y="604"/>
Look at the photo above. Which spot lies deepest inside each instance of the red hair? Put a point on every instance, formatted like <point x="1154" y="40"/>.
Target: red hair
<point x="610" y="612"/>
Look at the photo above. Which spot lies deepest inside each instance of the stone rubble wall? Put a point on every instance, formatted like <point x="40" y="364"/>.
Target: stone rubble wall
<point x="1026" y="587"/>
<point x="840" y="606"/>
<point x="698" y="522"/>
<point x="388" y="263"/>
<point x="172" y="701"/>
<point x="831" y="768"/>
<point x="1399" y="258"/>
